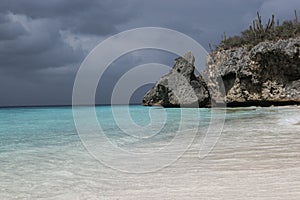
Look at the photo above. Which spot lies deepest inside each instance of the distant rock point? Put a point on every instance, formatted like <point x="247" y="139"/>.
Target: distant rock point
<point x="188" y="56"/>
<point x="180" y="87"/>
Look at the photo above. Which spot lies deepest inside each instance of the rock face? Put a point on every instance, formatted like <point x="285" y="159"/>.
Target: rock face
<point x="268" y="74"/>
<point x="180" y="87"/>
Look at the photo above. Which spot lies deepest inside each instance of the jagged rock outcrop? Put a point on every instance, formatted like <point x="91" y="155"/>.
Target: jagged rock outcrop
<point x="180" y="87"/>
<point x="268" y="74"/>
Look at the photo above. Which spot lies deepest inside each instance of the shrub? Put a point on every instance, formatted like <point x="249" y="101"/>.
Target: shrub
<point x="257" y="33"/>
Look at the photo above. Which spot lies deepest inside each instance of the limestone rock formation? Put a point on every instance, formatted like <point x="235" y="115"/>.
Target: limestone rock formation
<point x="180" y="87"/>
<point x="268" y="74"/>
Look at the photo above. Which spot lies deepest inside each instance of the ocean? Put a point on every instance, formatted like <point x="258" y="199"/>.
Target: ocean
<point x="141" y="152"/>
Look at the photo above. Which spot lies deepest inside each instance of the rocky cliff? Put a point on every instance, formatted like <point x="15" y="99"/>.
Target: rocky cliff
<point x="268" y="74"/>
<point x="180" y="87"/>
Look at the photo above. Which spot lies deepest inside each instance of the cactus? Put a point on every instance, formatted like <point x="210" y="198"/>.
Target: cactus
<point x="224" y="36"/>
<point x="270" y="24"/>
<point x="253" y="24"/>
<point x="260" y="25"/>
<point x="210" y="47"/>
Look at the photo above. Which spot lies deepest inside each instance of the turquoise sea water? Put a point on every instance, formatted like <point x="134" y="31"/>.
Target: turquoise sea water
<point x="256" y="156"/>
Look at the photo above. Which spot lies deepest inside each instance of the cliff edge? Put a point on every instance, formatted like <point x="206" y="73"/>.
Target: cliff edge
<point x="268" y="74"/>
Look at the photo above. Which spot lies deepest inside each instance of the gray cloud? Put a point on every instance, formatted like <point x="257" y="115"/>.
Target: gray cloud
<point x="10" y="30"/>
<point x="283" y="10"/>
<point x="90" y="17"/>
<point x="31" y="31"/>
<point x="38" y="60"/>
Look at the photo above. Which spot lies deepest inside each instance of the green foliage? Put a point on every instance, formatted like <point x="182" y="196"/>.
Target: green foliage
<point x="257" y="33"/>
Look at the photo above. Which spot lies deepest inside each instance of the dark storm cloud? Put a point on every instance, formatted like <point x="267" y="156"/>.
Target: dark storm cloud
<point x="31" y="31"/>
<point x="38" y="61"/>
<point x="92" y="17"/>
<point x="39" y="48"/>
<point x="10" y="30"/>
<point x="42" y="43"/>
<point x="204" y="20"/>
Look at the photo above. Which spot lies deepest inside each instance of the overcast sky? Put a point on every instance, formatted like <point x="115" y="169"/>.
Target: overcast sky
<point x="42" y="43"/>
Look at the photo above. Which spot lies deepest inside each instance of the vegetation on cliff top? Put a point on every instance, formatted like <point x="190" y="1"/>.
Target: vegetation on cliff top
<point x="257" y="33"/>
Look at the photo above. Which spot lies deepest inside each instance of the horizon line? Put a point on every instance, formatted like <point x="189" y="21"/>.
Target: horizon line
<point x="62" y="105"/>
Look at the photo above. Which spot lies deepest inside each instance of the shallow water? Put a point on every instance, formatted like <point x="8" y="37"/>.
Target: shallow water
<point x="257" y="156"/>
